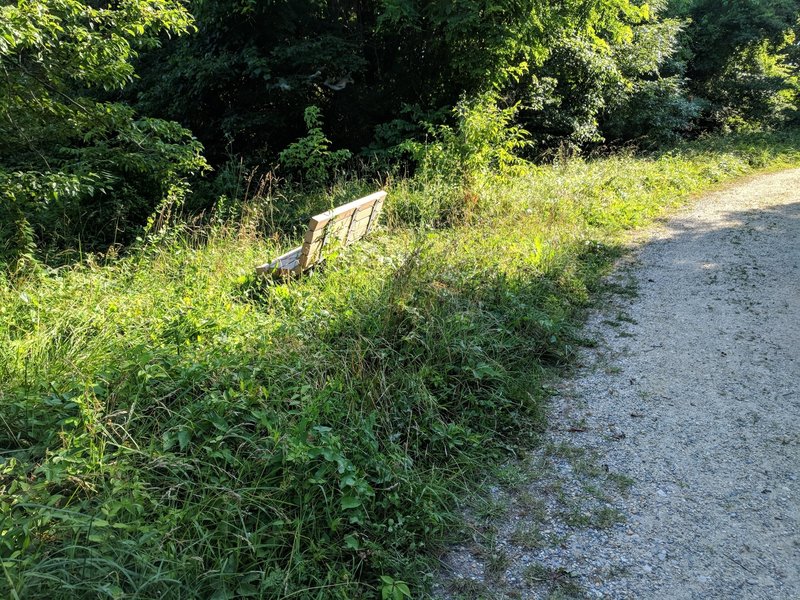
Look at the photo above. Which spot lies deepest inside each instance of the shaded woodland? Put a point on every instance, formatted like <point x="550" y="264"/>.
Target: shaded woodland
<point x="115" y="112"/>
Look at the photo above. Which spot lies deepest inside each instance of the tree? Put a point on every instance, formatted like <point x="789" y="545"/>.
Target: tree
<point x="378" y="68"/>
<point x="739" y="58"/>
<point x="74" y="164"/>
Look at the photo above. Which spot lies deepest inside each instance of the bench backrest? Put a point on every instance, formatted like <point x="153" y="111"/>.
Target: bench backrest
<point x="341" y="226"/>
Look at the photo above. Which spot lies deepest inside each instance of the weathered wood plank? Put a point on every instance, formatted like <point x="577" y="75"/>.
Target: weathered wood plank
<point x="342" y="225"/>
<point x="357" y="231"/>
<point x="320" y="230"/>
<point x="345" y="209"/>
<point x="284" y="264"/>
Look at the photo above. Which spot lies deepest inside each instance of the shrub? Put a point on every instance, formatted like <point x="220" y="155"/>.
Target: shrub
<point x="76" y="170"/>
<point x="310" y="157"/>
<point x="459" y="160"/>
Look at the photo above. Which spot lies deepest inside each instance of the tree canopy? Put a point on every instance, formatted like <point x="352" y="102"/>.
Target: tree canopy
<point x="101" y="101"/>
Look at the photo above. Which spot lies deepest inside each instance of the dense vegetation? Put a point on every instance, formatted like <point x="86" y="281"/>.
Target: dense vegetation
<point x="172" y="426"/>
<point x="101" y="100"/>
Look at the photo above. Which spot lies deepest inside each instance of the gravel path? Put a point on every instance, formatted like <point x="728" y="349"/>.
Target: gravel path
<point x="673" y="458"/>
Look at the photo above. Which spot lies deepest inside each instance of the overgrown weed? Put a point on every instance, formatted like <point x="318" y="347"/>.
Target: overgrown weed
<point x="172" y="427"/>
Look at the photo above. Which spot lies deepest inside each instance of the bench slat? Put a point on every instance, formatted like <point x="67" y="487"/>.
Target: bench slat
<point x="337" y="226"/>
<point x="319" y="231"/>
<point x="345" y="209"/>
<point x="343" y="225"/>
<point x="284" y="264"/>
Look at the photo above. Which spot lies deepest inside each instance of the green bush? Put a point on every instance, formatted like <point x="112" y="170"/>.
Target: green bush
<point x="310" y="157"/>
<point x="458" y="161"/>
<point x="77" y="171"/>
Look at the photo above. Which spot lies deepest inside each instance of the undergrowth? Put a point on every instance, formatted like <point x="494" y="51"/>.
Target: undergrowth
<point x="173" y="427"/>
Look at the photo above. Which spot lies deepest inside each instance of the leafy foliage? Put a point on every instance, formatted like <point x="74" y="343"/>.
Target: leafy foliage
<point x="651" y="103"/>
<point x="310" y="156"/>
<point x="457" y="161"/>
<point x="738" y="59"/>
<point x="757" y="87"/>
<point x="72" y="165"/>
<point x="79" y="165"/>
<point x="382" y="69"/>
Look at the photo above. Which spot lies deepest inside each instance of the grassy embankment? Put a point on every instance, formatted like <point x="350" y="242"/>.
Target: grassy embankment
<point x="170" y="428"/>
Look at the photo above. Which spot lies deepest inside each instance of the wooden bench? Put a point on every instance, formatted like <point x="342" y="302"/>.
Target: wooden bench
<point x="341" y="226"/>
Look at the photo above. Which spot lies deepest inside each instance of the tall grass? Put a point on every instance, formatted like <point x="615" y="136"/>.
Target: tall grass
<point x="173" y="427"/>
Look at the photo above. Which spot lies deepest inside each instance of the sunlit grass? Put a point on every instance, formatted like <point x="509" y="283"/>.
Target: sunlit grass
<point x="172" y="426"/>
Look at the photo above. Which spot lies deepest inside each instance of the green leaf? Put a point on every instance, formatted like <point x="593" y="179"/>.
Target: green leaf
<point x="219" y="422"/>
<point x="184" y="437"/>
<point x="350" y="502"/>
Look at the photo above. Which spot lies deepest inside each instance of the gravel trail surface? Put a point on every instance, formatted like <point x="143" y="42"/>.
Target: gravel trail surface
<point x="672" y="467"/>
